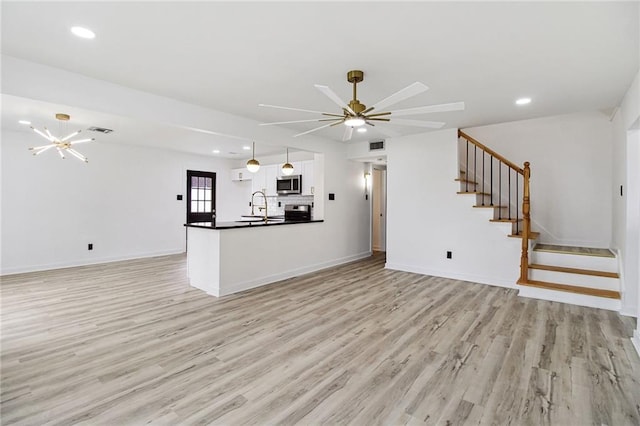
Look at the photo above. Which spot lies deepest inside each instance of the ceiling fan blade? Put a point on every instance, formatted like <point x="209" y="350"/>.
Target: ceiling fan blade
<point x="298" y="109"/>
<point x="429" y="124"/>
<point x="335" y="98"/>
<point x="388" y="132"/>
<point x="348" y="132"/>
<point x="455" y="106"/>
<point x="313" y="130"/>
<point x="409" y="91"/>
<point x="300" y="121"/>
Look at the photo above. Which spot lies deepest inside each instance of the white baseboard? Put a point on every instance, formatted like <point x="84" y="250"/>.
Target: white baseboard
<point x="636" y="340"/>
<point x="570" y="298"/>
<point x="500" y="282"/>
<point x="85" y="262"/>
<point x="247" y="285"/>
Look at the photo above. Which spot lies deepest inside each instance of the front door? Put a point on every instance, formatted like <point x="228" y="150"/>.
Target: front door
<point x="201" y="196"/>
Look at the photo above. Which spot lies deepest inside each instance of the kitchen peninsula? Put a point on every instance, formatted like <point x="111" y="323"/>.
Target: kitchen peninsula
<point x="228" y="257"/>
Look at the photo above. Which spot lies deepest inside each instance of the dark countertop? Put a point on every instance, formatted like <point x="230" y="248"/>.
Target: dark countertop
<point x="234" y="225"/>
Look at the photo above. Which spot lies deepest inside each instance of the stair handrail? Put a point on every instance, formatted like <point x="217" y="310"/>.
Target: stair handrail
<point x="526" y="201"/>
<point x="514" y="166"/>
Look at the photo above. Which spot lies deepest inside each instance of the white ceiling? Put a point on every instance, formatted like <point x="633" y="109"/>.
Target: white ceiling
<point x="231" y="56"/>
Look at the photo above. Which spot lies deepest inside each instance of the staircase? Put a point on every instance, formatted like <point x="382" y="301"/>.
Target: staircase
<point x="578" y="275"/>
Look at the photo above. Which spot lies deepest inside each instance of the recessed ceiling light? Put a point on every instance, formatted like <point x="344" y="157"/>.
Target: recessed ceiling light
<point x="216" y="151"/>
<point x="24" y="122"/>
<point x="523" y="101"/>
<point x="246" y="148"/>
<point x="362" y="129"/>
<point x="83" y="32"/>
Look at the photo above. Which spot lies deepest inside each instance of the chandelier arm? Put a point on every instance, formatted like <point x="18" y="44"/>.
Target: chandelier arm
<point x="82" y="141"/>
<point x="42" y="149"/>
<point x="42" y="134"/>
<point x="379" y="119"/>
<point x="77" y="155"/>
<point x="51" y="137"/>
<point x="35" y="148"/>
<point x="60" y="152"/>
<point x="69" y="136"/>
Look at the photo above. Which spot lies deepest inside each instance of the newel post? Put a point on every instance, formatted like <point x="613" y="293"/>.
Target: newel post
<point x="526" y="225"/>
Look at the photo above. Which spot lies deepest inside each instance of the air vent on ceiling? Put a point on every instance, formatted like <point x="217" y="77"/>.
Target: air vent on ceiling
<point x="99" y="129"/>
<point x="376" y="145"/>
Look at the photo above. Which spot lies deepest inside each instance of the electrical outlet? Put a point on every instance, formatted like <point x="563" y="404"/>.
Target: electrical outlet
<point x="179" y="197"/>
<point x="332" y="196"/>
<point x="90" y="246"/>
<point x="449" y="255"/>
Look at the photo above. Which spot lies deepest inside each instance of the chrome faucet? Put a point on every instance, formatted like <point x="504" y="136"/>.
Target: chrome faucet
<point x="265" y="204"/>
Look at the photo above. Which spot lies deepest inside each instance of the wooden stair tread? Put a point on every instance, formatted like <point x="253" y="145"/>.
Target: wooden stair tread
<point x="489" y="207"/>
<point x="574" y="270"/>
<point x="582" y="251"/>
<point x="610" y="294"/>
<point x="466" y="181"/>
<point x="473" y="192"/>
<point x="532" y="235"/>
<point x="505" y="220"/>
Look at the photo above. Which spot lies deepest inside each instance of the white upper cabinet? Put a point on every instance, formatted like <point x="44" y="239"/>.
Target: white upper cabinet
<point x="241" y="174"/>
<point x="265" y="178"/>
<point x="271" y="173"/>
<point x="307" y="172"/>
<point x="258" y="181"/>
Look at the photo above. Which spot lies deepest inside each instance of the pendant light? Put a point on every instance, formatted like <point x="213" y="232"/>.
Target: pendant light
<point x="287" y="168"/>
<point x="253" y="165"/>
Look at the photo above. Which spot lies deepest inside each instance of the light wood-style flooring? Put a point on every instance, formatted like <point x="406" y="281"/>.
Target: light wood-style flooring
<point x="130" y="343"/>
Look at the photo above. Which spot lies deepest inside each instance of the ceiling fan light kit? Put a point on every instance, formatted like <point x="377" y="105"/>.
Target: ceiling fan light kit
<point x="355" y="114"/>
<point x="62" y="145"/>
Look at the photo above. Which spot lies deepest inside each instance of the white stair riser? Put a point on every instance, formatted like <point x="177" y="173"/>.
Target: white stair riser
<point x="580" y="280"/>
<point x="596" y="263"/>
<point x="571" y="298"/>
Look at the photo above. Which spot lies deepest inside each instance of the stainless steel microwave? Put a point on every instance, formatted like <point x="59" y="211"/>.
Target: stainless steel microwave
<point x="286" y="185"/>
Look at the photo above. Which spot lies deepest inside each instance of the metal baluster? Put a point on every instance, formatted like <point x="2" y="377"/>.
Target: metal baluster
<point x="475" y="166"/>
<point x="517" y="200"/>
<point x="466" y="170"/>
<point x="509" y="205"/>
<point x="491" y="192"/>
<point x="483" y="177"/>
<point x="500" y="190"/>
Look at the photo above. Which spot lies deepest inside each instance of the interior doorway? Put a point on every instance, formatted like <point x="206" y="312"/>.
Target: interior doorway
<point x="379" y="208"/>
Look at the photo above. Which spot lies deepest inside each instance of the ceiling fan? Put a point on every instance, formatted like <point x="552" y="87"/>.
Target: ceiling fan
<point x="355" y="114"/>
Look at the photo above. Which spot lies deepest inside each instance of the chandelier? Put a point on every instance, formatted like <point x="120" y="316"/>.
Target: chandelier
<point x="62" y="145"/>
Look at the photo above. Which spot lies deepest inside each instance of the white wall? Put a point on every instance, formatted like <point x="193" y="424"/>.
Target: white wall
<point x="123" y="201"/>
<point x="426" y="218"/>
<point x="346" y="230"/>
<point x="571" y="173"/>
<point x="625" y="167"/>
